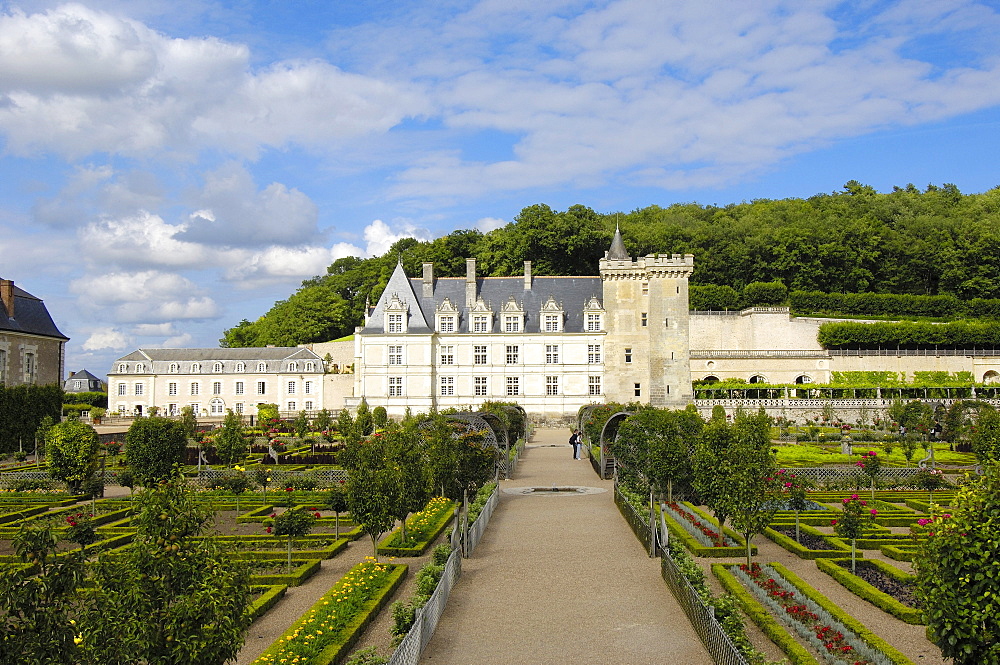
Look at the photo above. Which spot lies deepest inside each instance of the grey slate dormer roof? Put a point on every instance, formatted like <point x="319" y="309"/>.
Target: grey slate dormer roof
<point x="157" y="361"/>
<point x="30" y="317"/>
<point x="573" y="293"/>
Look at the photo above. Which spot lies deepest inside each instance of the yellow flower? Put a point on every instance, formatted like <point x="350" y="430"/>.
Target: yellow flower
<point x="78" y="639"/>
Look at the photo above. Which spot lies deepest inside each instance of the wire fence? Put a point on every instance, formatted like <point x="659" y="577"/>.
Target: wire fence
<point x="478" y="527"/>
<point x="702" y="617"/>
<point x="426" y="621"/>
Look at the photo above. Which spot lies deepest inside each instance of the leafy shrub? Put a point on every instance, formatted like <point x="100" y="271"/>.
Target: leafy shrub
<point x="910" y="335"/>
<point x="153" y="448"/>
<point x="711" y="297"/>
<point x="30" y="484"/>
<point x="764" y="294"/>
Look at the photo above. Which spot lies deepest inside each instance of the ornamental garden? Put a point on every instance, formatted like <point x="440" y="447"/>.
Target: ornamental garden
<point x="205" y="530"/>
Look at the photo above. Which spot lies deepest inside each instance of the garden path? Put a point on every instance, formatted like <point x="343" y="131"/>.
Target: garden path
<point x="559" y="578"/>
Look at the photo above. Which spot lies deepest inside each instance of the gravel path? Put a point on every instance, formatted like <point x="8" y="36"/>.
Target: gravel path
<point x="559" y="578"/>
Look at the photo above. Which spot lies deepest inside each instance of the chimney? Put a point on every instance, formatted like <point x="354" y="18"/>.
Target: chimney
<point x="470" y="283"/>
<point x="428" y="280"/>
<point x="7" y="296"/>
<point x="527" y="275"/>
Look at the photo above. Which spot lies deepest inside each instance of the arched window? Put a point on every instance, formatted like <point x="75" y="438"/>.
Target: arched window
<point x="122" y="368"/>
<point x="139" y="368"/>
<point x="261" y="367"/>
<point x="217" y="367"/>
<point x="195" y="368"/>
<point x="217" y="407"/>
<point x="757" y="378"/>
<point x="173" y="368"/>
<point x="803" y="378"/>
<point x="241" y="367"/>
<point x="711" y="378"/>
<point x="991" y="377"/>
<point x="310" y="366"/>
<point x="293" y="366"/>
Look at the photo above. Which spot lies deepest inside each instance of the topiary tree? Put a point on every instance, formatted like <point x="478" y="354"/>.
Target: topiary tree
<point x="406" y="449"/>
<point x="323" y="423"/>
<point x="380" y="417"/>
<point x="957" y="571"/>
<point x="154" y="449"/>
<point x="337" y="502"/>
<point x="871" y="465"/>
<point x="73" y="450"/>
<point x="293" y="523"/>
<point x="363" y="422"/>
<point x="713" y="463"/>
<point x="853" y="522"/>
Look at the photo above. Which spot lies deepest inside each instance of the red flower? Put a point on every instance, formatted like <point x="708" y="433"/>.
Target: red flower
<point x="269" y="529"/>
<point x="316" y="515"/>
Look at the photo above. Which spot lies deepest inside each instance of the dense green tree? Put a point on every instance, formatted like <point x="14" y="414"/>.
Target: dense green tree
<point x="154" y="449"/>
<point x="230" y="442"/>
<point x="753" y="490"/>
<point x="72" y="448"/>
<point x="372" y="484"/>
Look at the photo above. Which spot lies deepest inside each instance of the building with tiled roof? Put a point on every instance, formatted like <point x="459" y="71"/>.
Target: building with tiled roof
<point x="83" y="382"/>
<point x="32" y="349"/>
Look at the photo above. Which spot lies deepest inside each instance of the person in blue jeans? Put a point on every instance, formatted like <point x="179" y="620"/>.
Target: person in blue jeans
<point x="575" y="440"/>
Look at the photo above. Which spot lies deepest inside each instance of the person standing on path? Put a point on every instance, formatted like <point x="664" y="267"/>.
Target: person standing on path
<point x="574" y="440"/>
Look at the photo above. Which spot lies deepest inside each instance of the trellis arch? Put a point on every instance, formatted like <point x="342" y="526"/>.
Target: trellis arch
<point x="584" y="414"/>
<point x="608" y="434"/>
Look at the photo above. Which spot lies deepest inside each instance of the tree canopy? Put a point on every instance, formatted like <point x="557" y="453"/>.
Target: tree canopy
<point x="935" y="241"/>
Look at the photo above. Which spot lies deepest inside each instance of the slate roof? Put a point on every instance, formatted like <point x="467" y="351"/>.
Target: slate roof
<point x="573" y="293"/>
<point x="618" y="251"/>
<point x="86" y="377"/>
<point x="272" y="355"/>
<point x="30" y="317"/>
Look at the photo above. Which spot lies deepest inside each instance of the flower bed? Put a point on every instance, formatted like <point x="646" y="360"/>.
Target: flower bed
<point x="888" y="588"/>
<point x="821" y="624"/>
<point x="814" y="544"/>
<point x="304" y="569"/>
<point x="705" y="533"/>
<point x="422" y="529"/>
<point x="330" y="628"/>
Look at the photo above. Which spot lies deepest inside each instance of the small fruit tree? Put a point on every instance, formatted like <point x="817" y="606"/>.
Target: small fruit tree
<point x="73" y="449"/>
<point x="855" y="520"/>
<point x="871" y="465"/>
<point x="957" y="571"/>
<point x="797" y="489"/>
<point x="293" y="523"/>
<point x="230" y="444"/>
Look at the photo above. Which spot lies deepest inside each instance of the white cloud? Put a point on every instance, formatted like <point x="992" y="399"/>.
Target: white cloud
<point x="107" y="338"/>
<point x="154" y="329"/>
<point x="251" y="269"/>
<point x="146" y="297"/>
<point x="76" y="81"/>
<point x="379" y="236"/>
<point x="143" y="239"/>
<point x="487" y="224"/>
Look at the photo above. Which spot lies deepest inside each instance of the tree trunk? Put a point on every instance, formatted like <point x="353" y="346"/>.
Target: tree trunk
<point x="289" y="554"/>
<point x="853" y="560"/>
<point x="797" y="527"/>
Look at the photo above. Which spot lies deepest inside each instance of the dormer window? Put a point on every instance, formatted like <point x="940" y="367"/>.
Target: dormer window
<point x="122" y="368"/>
<point x="310" y="366"/>
<point x="511" y="324"/>
<point x="395" y="315"/>
<point x="217" y="367"/>
<point x="261" y="367"/>
<point x="482" y="317"/>
<point x="173" y="368"/>
<point x="512" y="317"/>
<point x="241" y="367"/>
<point x="447" y="317"/>
<point x="593" y="315"/>
<point x="446" y="324"/>
<point x="195" y="368"/>
<point x="551" y="316"/>
<point x="139" y="368"/>
<point x="293" y="366"/>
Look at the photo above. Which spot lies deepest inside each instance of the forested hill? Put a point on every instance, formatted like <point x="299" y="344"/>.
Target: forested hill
<point x="931" y="242"/>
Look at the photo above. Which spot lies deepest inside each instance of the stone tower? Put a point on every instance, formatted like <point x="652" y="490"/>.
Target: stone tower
<point x="647" y="352"/>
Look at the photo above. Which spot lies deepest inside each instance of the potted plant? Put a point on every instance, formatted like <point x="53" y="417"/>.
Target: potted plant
<point x="96" y="414"/>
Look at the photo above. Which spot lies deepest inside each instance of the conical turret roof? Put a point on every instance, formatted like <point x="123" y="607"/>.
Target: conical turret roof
<point x="618" y="251"/>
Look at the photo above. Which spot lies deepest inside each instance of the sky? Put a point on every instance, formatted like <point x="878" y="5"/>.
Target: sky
<point x="170" y="167"/>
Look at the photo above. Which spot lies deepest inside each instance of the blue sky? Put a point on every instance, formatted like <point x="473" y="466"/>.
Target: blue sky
<point x="170" y="167"/>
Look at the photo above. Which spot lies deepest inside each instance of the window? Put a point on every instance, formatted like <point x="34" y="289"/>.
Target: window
<point x="593" y="323"/>
<point x="194" y="387"/>
<point x="238" y="408"/>
<point x="447" y="355"/>
<point x="644" y="319"/>
<point x="138" y="388"/>
<point x="217" y="367"/>
<point x="395" y="386"/>
<point x="479" y="384"/>
<point x="447" y="324"/>
<point x="241" y="367"/>
<point x="512" y="324"/>
<point x="447" y="385"/>
<point x="139" y="367"/>
<point x="479" y="355"/>
<point x="645" y="288"/>
<point x="195" y="407"/>
<point x="628" y="355"/>
<point x="261" y="387"/>
<point x="122" y="389"/>
<point x="395" y="323"/>
<point x="239" y="387"/>
<point x="261" y="367"/>
<point x="217" y="407"/>
<point x="122" y="368"/>
<point x="172" y="409"/>
<point x="310" y="366"/>
<point x="480" y="324"/>
<point x="395" y="355"/>
<point x="552" y="385"/>
<point x="308" y="388"/>
<point x="293" y="366"/>
<point x="292" y="387"/>
<point x="512" y="355"/>
<point x="551" y="354"/>
<point x="78" y="385"/>
<point x="594" y="385"/>
<point x="217" y="387"/>
<point x="172" y="388"/>
<point x="551" y="323"/>
<point x="593" y="354"/>
<point x="638" y="390"/>
<point x="195" y="368"/>
<point x="173" y="368"/>
<point x="513" y="385"/>
<point x="291" y="406"/>
<point x="309" y="405"/>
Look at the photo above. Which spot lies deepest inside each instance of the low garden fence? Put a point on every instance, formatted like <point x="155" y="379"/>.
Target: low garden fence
<point x="478" y="527"/>
<point x="702" y="617"/>
<point x="413" y="644"/>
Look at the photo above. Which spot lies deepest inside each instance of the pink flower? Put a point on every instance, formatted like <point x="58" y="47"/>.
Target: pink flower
<point x="923" y="522"/>
<point x="788" y="484"/>
<point x="874" y="512"/>
<point x="833" y="522"/>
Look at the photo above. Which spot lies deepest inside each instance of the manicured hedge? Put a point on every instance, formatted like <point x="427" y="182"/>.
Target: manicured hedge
<point x="802" y="551"/>
<point x="268" y="598"/>
<point x="775" y="631"/>
<point x="861" y="588"/>
<point x="910" y="335"/>
<point x="443" y="520"/>
<point x="877" y="304"/>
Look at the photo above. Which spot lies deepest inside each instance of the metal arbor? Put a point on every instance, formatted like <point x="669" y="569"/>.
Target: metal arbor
<point x="608" y="434"/>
